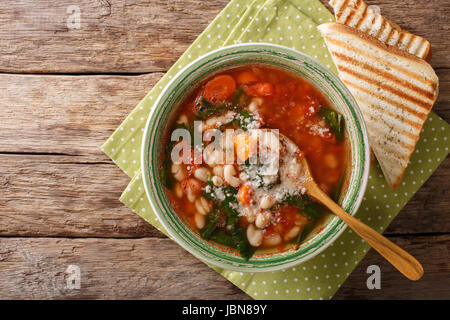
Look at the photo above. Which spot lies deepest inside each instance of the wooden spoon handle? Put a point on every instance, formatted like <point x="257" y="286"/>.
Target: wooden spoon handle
<point x="399" y="258"/>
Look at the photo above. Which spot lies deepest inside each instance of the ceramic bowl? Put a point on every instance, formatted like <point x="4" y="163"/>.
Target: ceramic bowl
<point x="280" y="57"/>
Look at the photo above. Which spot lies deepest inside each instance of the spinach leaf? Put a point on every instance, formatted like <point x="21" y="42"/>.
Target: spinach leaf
<point x="307" y="206"/>
<point x="206" y="108"/>
<point x="223" y="238"/>
<point x="240" y="98"/>
<point x="335" y="120"/>
<point x="242" y="244"/>
<point x="296" y="201"/>
<point x="211" y="226"/>
<point x="226" y="205"/>
<point x="312" y="210"/>
<point x="164" y="174"/>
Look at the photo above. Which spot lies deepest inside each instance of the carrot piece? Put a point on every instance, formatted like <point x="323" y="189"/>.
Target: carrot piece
<point x="265" y="89"/>
<point x="246" y="77"/>
<point x="219" y="88"/>
<point x="245" y="146"/>
<point x="260" y="89"/>
<point x="245" y="194"/>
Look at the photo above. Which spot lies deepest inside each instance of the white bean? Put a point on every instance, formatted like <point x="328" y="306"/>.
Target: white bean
<point x="178" y="172"/>
<point x="203" y="206"/>
<point x="214" y="122"/>
<point x="263" y="219"/>
<point x="291" y="234"/>
<point x="249" y="213"/>
<point x="243" y="176"/>
<point x="178" y="190"/>
<point x="229" y="173"/>
<point x="266" y="202"/>
<point x="272" y="240"/>
<point x="183" y="119"/>
<point x="190" y="195"/>
<point x="202" y="174"/>
<point x="217" y="181"/>
<point x="218" y="171"/>
<point x="199" y="221"/>
<point x="250" y="218"/>
<point x="211" y="122"/>
<point x="300" y="220"/>
<point x="254" y="235"/>
<point x="254" y="104"/>
<point x="252" y="107"/>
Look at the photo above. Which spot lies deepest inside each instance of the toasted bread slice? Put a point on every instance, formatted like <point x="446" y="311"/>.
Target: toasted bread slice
<point x="356" y="14"/>
<point x="395" y="91"/>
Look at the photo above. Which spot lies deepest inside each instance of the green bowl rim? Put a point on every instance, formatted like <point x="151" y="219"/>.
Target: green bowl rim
<point x="202" y="249"/>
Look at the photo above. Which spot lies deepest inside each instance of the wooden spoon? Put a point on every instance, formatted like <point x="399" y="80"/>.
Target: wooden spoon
<point x="399" y="258"/>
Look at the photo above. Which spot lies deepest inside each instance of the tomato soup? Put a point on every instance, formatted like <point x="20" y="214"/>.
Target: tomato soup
<point x="222" y="164"/>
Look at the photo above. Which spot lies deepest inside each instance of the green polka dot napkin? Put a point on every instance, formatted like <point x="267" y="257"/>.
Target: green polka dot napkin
<point x="290" y="23"/>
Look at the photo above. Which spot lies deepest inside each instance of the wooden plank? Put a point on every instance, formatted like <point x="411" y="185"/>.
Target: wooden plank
<point x="114" y="36"/>
<point x="34" y="268"/>
<point x="146" y="36"/>
<point x="55" y="196"/>
<point x="71" y="115"/>
<point x="432" y="252"/>
<point x="152" y="268"/>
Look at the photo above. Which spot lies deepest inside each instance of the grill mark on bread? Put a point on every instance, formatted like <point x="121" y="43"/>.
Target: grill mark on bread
<point x="341" y="9"/>
<point x="401" y="132"/>
<point x="350" y="15"/>
<point x="398" y="117"/>
<point x="401" y="39"/>
<point x="388" y="38"/>
<point x="419" y="103"/>
<point x="391" y="152"/>
<point x="428" y="95"/>
<point x="423" y="51"/>
<point x="411" y="41"/>
<point x="420" y="115"/>
<point x="406" y="42"/>
<point x="363" y="15"/>
<point x="380" y="29"/>
<point x="370" y="56"/>
<point x="392" y="143"/>
<point x="395" y="142"/>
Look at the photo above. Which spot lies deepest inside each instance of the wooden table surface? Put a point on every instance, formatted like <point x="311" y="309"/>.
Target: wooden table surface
<point x="64" y="91"/>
